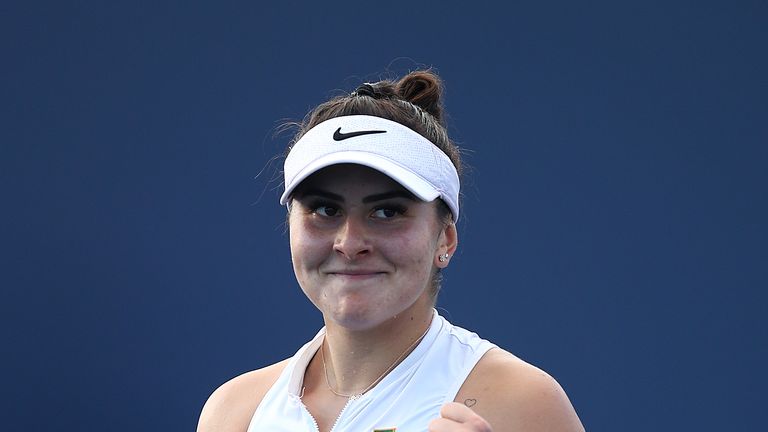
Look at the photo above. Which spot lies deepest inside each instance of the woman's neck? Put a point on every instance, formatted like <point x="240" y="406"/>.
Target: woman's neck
<point x="354" y="361"/>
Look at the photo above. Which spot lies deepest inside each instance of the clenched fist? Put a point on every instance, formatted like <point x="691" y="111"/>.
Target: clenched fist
<point x="455" y="417"/>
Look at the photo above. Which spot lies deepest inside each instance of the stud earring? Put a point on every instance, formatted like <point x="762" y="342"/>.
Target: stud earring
<point x="442" y="258"/>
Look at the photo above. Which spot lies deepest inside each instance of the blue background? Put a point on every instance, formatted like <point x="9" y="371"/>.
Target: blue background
<point x="613" y="229"/>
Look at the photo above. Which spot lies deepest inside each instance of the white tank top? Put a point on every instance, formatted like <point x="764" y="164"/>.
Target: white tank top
<point x="407" y="399"/>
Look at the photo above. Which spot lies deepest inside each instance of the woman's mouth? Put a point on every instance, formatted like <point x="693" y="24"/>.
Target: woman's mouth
<point x="356" y="274"/>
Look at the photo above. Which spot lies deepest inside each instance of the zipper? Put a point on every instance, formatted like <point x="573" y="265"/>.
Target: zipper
<point x="304" y="407"/>
<point x="317" y="428"/>
<point x="349" y="401"/>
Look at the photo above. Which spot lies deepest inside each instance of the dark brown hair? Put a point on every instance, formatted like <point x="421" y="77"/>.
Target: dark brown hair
<point x="413" y="101"/>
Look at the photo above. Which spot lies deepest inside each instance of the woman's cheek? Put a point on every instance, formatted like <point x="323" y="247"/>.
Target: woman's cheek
<point x="309" y="246"/>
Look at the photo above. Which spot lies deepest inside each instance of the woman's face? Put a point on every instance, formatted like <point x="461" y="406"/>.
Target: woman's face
<point x="363" y="247"/>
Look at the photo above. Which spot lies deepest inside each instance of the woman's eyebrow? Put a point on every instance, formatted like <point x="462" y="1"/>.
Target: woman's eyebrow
<point x="387" y="195"/>
<point x="322" y="194"/>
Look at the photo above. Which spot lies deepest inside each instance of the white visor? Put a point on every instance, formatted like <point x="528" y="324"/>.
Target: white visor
<point x="378" y="143"/>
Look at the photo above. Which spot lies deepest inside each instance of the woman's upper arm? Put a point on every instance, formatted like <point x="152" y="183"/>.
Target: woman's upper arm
<point x="231" y="406"/>
<point x="514" y="396"/>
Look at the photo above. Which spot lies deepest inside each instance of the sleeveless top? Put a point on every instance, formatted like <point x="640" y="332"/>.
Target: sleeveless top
<point x="406" y="399"/>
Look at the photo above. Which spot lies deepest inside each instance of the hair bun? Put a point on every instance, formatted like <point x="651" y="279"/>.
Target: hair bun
<point x="365" y="89"/>
<point x="423" y="89"/>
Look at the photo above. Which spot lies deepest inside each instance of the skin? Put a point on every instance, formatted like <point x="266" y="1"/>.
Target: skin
<point x="364" y="251"/>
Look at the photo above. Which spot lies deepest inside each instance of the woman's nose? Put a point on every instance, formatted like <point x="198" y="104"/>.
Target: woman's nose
<point x="352" y="239"/>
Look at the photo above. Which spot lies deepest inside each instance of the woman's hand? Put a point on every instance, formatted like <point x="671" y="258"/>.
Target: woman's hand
<point x="455" y="417"/>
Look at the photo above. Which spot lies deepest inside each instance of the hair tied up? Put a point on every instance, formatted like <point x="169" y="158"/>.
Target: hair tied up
<point x="366" y="89"/>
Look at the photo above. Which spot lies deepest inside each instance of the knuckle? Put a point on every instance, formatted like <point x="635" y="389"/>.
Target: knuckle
<point x="479" y="424"/>
<point x="434" y="425"/>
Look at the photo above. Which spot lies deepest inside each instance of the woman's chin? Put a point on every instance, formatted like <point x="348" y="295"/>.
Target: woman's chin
<point x="361" y="316"/>
<point x="356" y="316"/>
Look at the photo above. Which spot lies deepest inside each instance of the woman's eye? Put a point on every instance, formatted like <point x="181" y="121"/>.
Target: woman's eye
<point x="325" y="210"/>
<point x="387" y="212"/>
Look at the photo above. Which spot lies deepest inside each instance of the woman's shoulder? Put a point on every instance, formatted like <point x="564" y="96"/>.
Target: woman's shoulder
<point x="514" y="395"/>
<point x="231" y="406"/>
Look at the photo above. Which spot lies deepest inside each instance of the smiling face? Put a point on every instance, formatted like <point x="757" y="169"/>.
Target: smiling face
<point x="364" y="249"/>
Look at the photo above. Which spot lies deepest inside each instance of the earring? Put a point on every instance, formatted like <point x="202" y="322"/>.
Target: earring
<point x="442" y="258"/>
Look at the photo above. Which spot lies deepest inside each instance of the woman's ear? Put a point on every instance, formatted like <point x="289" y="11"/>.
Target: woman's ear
<point x="446" y="245"/>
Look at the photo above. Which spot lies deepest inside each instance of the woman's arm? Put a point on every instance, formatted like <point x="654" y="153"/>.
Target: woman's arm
<point x="231" y="407"/>
<point x="504" y="393"/>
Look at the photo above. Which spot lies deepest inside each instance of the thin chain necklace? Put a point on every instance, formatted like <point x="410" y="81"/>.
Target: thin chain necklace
<point x="377" y="380"/>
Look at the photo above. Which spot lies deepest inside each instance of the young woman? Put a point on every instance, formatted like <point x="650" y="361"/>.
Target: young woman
<point x="372" y="191"/>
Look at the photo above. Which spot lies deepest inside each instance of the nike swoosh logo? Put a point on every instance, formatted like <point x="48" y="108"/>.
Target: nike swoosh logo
<point x="338" y="136"/>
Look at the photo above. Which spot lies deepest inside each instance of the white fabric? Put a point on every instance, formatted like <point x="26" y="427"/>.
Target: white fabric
<point x="395" y="150"/>
<point x="408" y="398"/>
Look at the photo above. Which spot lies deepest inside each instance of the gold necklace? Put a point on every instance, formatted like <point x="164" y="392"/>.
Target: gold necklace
<point x="376" y="381"/>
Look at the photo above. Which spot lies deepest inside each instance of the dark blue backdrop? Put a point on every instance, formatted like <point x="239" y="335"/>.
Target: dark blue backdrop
<point x="614" y="221"/>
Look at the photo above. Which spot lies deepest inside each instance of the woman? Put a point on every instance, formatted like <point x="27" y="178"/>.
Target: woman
<point x="372" y="191"/>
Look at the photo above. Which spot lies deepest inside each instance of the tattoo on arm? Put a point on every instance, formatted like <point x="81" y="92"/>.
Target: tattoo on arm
<point x="470" y="402"/>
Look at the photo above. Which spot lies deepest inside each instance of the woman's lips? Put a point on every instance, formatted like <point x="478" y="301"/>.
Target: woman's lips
<point x="356" y="274"/>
